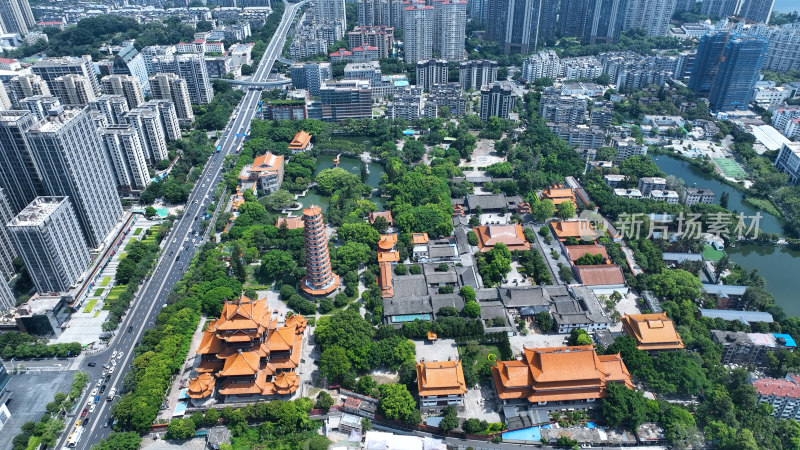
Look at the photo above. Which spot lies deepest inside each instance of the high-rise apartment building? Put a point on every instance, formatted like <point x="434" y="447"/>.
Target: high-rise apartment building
<point x="519" y="26"/>
<point x="169" y="118"/>
<point x="377" y="12"/>
<point x="431" y="72"/>
<point x="605" y="20"/>
<point x="742" y="59"/>
<point x="128" y="61"/>
<point x="496" y="100"/>
<point x="16" y="16"/>
<point x="19" y="175"/>
<point x="48" y="238"/>
<point x="124" y="151"/>
<point x="310" y="76"/>
<point x="113" y="107"/>
<point x="151" y="132"/>
<point x="572" y="20"/>
<point x="72" y="162"/>
<point x="332" y="12"/>
<point x="39" y="105"/>
<point x="758" y="11"/>
<point x="706" y="62"/>
<point x="153" y="52"/>
<point x="417" y="32"/>
<point x="51" y="68"/>
<point x="7" y="250"/>
<point x="348" y="99"/>
<point x="319" y="279"/>
<point x="168" y="86"/>
<point x="783" y="53"/>
<point x="72" y="90"/>
<point x="652" y="15"/>
<point x="450" y="20"/>
<point x="719" y="8"/>
<point x="381" y="37"/>
<point x="473" y="75"/>
<point x="125" y="85"/>
<point x="192" y="68"/>
<point x="5" y="100"/>
<point x="23" y="86"/>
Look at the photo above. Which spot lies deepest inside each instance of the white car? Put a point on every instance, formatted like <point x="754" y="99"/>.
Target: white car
<point x="114" y="355"/>
<point x="92" y="408"/>
<point x="111" y="370"/>
<point x="94" y="392"/>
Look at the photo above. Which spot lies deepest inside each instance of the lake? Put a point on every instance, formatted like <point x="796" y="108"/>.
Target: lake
<point x="777" y="264"/>
<point x="350" y="164"/>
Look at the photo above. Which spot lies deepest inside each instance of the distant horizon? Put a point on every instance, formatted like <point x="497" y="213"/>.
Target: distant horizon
<point x="786" y="6"/>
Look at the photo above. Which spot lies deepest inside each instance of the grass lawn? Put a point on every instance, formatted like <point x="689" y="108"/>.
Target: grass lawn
<point x="764" y="205"/>
<point x="90" y="305"/>
<point x="97" y="313"/>
<point x="712" y="254"/>
<point x="482" y="358"/>
<point x="114" y="293"/>
<point x="105" y="281"/>
<point x="99" y="292"/>
<point x="122" y="256"/>
<point x="137" y="231"/>
<point x="34" y="442"/>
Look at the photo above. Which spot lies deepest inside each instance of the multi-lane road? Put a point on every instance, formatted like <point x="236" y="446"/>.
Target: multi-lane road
<point x="182" y="243"/>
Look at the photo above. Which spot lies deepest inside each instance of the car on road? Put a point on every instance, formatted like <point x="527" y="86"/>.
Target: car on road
<point x="102" y="388"/>
<point x="94" y="392"/>
<point x="92" y="408"/>
<point x="96" y="398"/>
<point x="111" y="370"/>
<point x="92" y="364"/>
<point x="83" y="413"/>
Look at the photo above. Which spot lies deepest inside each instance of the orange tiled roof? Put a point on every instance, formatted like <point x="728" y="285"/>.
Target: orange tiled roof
<point x="300" y="141"/>
<point x="559" y="374"/>
<point x="201" y="386"/>
<point x="281" y="339"/>
<point x="600" y="275"/>
<point x="238" y="387"/>
<point x="292" y="223"/>
<point x="385" y="214"/>
<point x="558" y="195"/>
<point x="573" y="228"/>
<point x="576" y="251"/>
<point x="419" y="238"/>
<point x="652" y="331"/>
<point x="440" y="378"/>
<point x="385" y="248"/>
<point x="385" y="279"/>
<point x="286" y="382"/>
<point x="244" y="363"/>
<point x="510" y="235"/>
<point x="296" y="321"/>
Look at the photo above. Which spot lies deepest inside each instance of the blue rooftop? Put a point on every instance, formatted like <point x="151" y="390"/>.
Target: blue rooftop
<point x="788" y="339"/>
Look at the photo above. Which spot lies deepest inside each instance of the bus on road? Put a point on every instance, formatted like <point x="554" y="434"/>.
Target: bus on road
<point x="75" y="436"/>
<point x="112" y="394"/>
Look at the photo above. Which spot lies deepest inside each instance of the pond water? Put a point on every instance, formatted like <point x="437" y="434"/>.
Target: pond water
<point x="350" y="164"/>
<point x="777" y="264"/>
<point x="694" y="176"/>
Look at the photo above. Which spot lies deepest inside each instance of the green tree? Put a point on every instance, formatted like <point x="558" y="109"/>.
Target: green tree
<point x="150" y="212"/>
<point x="324" y="401"/>
<point x="579" y="336"/>
<point x="277" y="265"/>
<point x="625" y="407"/>
<point x="330" y="180"/>
<point x="396" y="403"/>
<point x="450" y="419"/>
<point x="120" y="441"/>
<point x="677" y="285"/>
<point x="543" y="210"/>
<point x="495" y="264"/>
<point x="545" y="321"/>
<point x="279" y="200"/>
<point x="180" y="429"/>
<point x="380" y="224"/>
<point x="472" y="309"/>
<point x="360" y="232"/>
<point x="566" y="210"/>
<point x="467" y="293"/>
<point x="334" y="363"/>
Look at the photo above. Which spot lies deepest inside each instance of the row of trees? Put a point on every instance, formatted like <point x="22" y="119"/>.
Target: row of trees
<point x="24" y="346"/>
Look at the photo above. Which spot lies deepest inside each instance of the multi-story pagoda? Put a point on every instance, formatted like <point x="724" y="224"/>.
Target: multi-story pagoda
<point x="319" y="279"/>
<point x="245" y="355"/>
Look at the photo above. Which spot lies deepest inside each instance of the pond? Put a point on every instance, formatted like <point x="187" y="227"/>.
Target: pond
<point x="696" y="177"/>
<point x="776" y="264"/>
<point x="350" y="164"/>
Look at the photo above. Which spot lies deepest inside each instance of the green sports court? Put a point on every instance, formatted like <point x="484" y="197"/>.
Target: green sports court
<point x="730" y="168"/>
